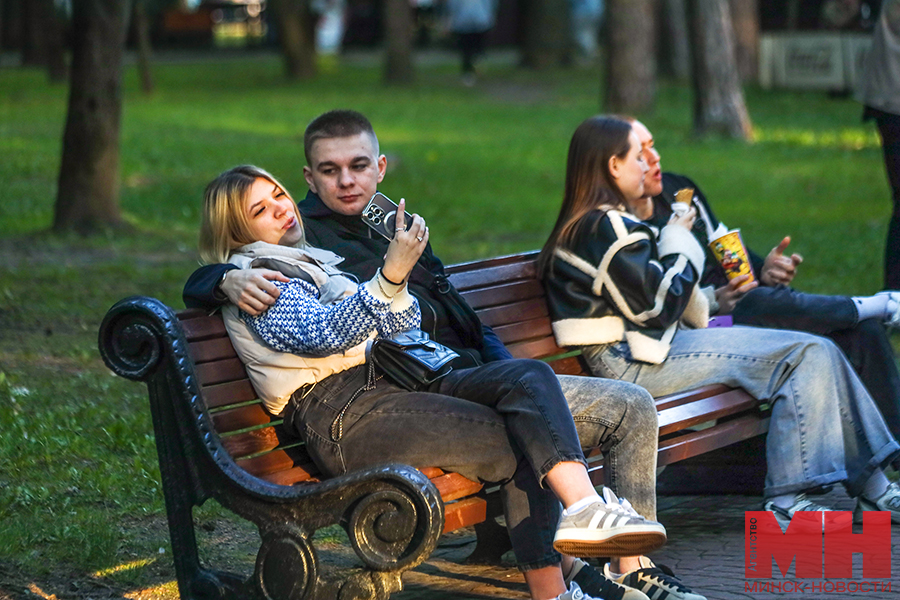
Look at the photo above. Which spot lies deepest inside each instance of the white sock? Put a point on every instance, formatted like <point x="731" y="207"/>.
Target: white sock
<point x="876" y="485"/>
<point x="581" y="504"/>
<point x="784" y="501"/>
<point x="879" y="306"/>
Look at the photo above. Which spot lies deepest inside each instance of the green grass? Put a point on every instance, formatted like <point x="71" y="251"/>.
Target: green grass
<point x="79" y="483"/>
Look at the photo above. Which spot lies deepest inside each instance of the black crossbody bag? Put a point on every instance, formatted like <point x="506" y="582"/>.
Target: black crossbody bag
<point x="412" y="360"/>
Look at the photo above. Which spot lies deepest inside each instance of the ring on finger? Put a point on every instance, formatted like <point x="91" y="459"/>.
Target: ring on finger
<point x="419" y="237"/>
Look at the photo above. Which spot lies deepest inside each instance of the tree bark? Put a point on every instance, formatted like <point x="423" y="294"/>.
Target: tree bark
<point x="296" y="35"/>
<point x="144" y="50"/>
<point x="88" y="194"/>
<point x="718" y="98"/>
<point x="745" y="17"/>
<point x="631" y="58"/>
<point x="398" y="29"/>
<point x="674" y="52"/>
<point x="546" y="39"/>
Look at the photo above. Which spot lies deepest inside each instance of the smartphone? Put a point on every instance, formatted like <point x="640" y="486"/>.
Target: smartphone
<point x="381" y="215"/>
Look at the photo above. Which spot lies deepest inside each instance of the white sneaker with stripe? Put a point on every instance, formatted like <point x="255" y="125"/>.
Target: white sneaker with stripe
<point x="608" y="527"/>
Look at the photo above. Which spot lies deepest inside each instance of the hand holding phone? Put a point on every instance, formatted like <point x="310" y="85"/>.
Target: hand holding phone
<point x="381" y="215"/>
<point x="409" y="241"/>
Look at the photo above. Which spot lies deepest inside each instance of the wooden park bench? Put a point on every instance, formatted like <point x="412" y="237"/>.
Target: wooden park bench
<point x="214" y="440"/>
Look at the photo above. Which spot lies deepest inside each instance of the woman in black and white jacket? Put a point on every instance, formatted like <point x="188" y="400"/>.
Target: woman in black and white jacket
<point x="628" y="296"/>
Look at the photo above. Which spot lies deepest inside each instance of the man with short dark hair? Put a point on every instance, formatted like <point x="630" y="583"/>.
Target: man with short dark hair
<point x="344" y="167"/>
<point x="856" y="324"/>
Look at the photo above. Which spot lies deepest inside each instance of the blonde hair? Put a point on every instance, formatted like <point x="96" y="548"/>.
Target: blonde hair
<point x="224" y="225"/>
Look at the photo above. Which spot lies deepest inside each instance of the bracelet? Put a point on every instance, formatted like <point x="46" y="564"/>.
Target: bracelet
<point x="388" y="280"/>
<point x="378" y="276"/>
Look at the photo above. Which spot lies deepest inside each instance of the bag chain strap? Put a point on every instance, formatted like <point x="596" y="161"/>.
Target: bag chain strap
<point x="337" y="426"/>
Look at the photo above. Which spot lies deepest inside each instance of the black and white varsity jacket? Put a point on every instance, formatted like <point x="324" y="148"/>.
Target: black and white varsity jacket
<point x="617" y="282"/>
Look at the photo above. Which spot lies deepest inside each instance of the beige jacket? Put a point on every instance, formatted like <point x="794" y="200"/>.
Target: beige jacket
<point x="276" y="375"/>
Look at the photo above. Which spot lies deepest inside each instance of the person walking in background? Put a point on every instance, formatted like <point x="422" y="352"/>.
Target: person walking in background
<point x="470" y="20"/>
<point x="586" y="16"/>
<point x="880" y="93"/>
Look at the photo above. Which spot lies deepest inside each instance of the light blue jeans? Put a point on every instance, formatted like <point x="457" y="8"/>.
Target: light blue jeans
<point x="825" y="427"/>
<point x="620" y="418"/>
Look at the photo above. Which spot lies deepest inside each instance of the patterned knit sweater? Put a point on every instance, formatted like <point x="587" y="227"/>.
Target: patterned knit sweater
<point x="300" y="324"/>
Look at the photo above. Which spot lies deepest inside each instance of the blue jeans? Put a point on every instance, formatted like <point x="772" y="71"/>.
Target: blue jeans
<point x="620" y="418"/>
<point x="505" y="422"/>
<point x="865" y="343"/>
<point x="824" y="428"/>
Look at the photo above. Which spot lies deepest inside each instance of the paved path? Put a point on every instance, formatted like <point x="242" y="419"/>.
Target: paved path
<point x="706" y="549"/>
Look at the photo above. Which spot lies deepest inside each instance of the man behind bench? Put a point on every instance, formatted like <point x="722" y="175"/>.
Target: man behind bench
<point x="344" y="168"/>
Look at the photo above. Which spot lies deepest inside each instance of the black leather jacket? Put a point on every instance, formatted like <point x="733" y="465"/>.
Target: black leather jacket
<point x="616" y="282"/>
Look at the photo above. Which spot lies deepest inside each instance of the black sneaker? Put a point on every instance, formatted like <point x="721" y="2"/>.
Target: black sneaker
<point x="595" y="584"/>
<point x="656" y="582"/>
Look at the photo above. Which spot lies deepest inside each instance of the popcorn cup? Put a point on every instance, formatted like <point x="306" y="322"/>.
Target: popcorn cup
<point x="731" y="253"/>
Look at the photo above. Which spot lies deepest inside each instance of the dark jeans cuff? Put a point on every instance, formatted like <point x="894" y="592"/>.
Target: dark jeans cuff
<point x="554" y="559"/>
<point x="548" y="466"/>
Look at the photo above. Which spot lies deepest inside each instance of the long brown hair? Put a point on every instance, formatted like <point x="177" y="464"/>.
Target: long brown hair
<point x="224" y="225"/>
<point x="589" y="183"/>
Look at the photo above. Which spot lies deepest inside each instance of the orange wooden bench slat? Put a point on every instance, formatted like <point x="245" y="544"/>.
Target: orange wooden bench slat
<point x="505" y="293"/>
<point x="203" y="328"/>
<point x="570" y="365"/>
<point x="707" y="409"/>
<point x="232" y="392"/>
<point x="464" y="513"/>
<point x="252" y="442"/>
<point x="243" y="417"/>
<point x="279" y="460"/>
<point x="466" y="280"/>
<point x="525" y="330"/>
<point x="538" y="348"/>
<point x="454" y="486"/>
<point x="220" y="371"/>
<point x="699" y="442"/>
<point x="513" y="312"/>
<point x="679" y="398"/>
<point x="214" y="349"/>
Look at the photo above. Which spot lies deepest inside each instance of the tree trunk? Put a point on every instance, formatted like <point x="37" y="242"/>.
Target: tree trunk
<point x="398" y="30"/>
<point x="745" y="16"/>
<point x="88" y="194"/>
<point x="142" y="32"/>
<point x="631" y="59"/>
<point x="546" y="39"/>
<point x="296" y="34"/>
<point x="674" y="53"/>
<point x="718" y="97"/>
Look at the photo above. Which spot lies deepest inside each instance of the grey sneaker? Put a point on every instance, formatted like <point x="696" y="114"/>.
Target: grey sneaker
<point x="608" y="528"/>
<point x="599" y="585"/>
<point x="889" y="501"/>
<point x="801" y="503"/>
<point x="656" y="582"/>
